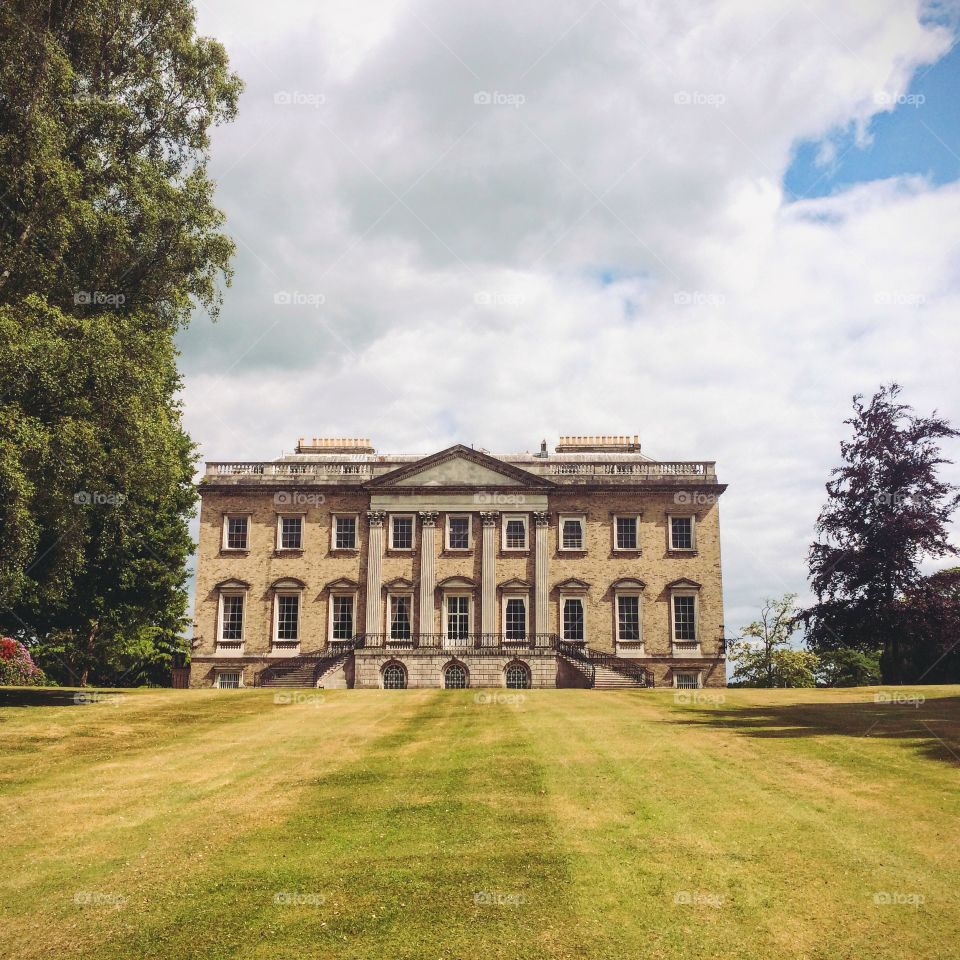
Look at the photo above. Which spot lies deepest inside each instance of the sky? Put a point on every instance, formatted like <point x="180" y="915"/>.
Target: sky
<point x="709" y="224"/>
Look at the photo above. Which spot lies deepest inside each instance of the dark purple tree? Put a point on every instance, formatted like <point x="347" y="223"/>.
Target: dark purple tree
<point x="886" y="511"/>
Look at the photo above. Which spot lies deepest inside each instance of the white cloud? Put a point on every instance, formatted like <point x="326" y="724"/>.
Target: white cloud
<point x="614" y="254"/>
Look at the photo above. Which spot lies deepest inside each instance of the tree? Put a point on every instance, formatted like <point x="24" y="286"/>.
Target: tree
<point x="109" y="238"/>
<point x="844" y="667"/>
<point x="931" y="643"/>
<point x="96" y="483"/>
<point x="762" y="655"/>
<point x="886" y="511"/>
<point x="105" y="108"/>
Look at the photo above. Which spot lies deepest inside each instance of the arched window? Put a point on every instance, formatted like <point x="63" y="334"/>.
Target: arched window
<point x="518" y="676"/>
<point x="455" y="677"/>
<point x="394" y="676"/>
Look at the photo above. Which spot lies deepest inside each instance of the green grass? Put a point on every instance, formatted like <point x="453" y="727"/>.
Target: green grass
<point x="422" y="824"/>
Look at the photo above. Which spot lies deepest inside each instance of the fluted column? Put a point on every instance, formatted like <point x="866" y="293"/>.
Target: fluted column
<point x="488" y="573"/>
<point x="375" y="518"/>
<point x="428" y="568"/>
<point x="541" y="568"/>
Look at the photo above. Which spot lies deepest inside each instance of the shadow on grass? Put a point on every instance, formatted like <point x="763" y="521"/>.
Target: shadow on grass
<point x="931" y="727"/>
<point x="53" y="697"/>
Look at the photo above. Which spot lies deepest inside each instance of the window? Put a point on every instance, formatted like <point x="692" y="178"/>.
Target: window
<point x="458" y="617"/>
<point x="682" y="533"/>
<point x="514" y="533"/>
<point x="235" y="530"/>
<point x="342" y="618"/>
<point x="400" y="618"/>
<point x="515" y="618"/>
<point x="231" y="617"/>
<point x="628" y="617"/>
<point x="288" y="616"/>
<point x="455" y="677"/>
<point x="401" y="532"/>
<point x="687" y="680"/>
<point x="228" y="680"/>
<point x="572" y="619"/>
<point x="394" y="676"/>
<point x="684" y="618"/>
<point x="626" y="533"/>
<point x="571" y="533"/>
<point x="291" y="533"/>
<point x="458" y="532"/>
<point x="344" y="533"/>
<point x="517" y="676"/>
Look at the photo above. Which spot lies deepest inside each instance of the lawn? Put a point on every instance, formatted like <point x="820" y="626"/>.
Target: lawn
<point x="426" y="824"/>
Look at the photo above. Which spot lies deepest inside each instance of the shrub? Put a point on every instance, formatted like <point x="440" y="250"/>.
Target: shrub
<point x="17" y="667"/>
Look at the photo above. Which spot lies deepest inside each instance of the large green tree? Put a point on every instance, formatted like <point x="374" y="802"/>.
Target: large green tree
<point x="887" y="511"/>
<point x="109" y="238"/>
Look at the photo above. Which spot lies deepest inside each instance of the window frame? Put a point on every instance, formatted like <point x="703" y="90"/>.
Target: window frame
<point x="390" y="665"/>
<point x="290" y="516"/>
<point x="334" y="517"/>
<point x="392" y="597"/>
<point x="527" y="674"/>
<point x="287" y="593"/>
<point x="618" y="594"/>
<point x="564" y="597"/>
<point x="580" y="518"/>
<point x="225" y="533"/>
<point x="524" y="598"/>
<point x="674" y="595"/>
<point x="331" y="622"/>
<point x="445" y="618"/>
<point x="446" y="540"/>
<point x="456" y="665"/>
<point x="237" y="673"/>
<point x="617" y="517"/>
<point x="412" y="517"/>
<point x="223" y="594"/>
<point x="697" y="679"/>
<point x="693" y="532"/>
<point x="505" y="519"/>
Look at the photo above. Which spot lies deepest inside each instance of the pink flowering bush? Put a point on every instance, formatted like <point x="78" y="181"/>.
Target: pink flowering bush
<point x="16" y="665"/>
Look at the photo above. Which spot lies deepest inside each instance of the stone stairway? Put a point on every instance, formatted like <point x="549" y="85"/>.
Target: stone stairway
<point x="606" y="679"/>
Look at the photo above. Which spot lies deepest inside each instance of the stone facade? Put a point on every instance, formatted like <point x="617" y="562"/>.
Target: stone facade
<point x="637" y="528"/>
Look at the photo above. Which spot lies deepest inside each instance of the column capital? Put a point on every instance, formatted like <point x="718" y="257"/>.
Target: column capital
<point x="489" y="517"/>
<point x="541" y="518"/>
<point x="376" y="517"/>
<point x="428" y="518"/>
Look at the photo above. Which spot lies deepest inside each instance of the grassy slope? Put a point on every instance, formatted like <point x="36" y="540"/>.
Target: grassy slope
<point x="423" y="824"/>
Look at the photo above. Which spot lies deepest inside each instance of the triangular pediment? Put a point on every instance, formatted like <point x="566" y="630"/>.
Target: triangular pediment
<point x="342" y="583"/>
<point x="515" y="583"/>
<point x="233" y="583"/>
<point x="398" y="583"/>
<point x="683" y="583"/>
<point x="458" y="467"/>
<point x="572" y="585"/>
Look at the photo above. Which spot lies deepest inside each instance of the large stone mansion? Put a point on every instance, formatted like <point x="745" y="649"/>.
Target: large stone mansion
<point x="338" y="566"/>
